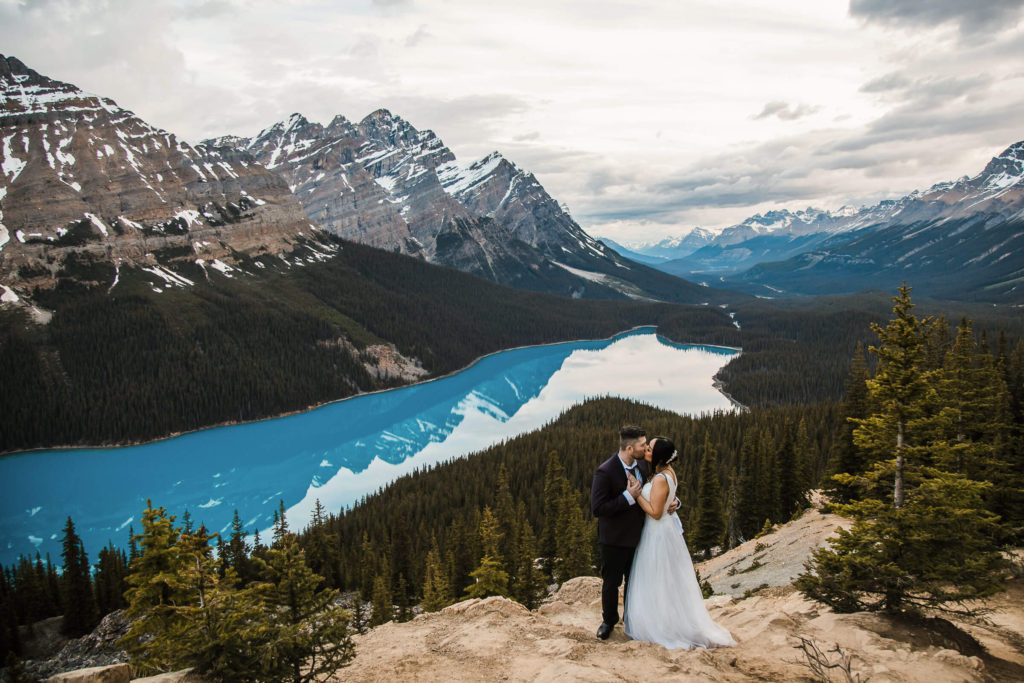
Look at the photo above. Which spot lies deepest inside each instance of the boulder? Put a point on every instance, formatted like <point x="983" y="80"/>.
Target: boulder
<point x="117" y="673"/>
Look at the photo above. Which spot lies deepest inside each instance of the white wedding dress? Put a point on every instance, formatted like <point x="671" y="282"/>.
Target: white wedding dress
<point x="664" y="604"/>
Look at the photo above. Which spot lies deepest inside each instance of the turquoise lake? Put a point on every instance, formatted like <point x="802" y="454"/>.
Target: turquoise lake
<point x="340" y="452"/>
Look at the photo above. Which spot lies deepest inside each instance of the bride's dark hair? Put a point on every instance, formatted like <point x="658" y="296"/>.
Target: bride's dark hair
<point x="662" y="453"/>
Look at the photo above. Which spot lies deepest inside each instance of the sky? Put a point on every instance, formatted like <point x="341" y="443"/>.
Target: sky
<point x="646" y="118"/>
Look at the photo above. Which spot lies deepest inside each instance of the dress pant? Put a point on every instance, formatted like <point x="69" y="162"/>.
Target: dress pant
<point x="616" y="562"/>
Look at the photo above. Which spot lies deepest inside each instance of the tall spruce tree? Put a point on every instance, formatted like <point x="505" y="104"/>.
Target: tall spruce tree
<point x="383" y="607"/>
<point x="111" y="579"/>
<point x="489" y="578"/>
<point x="529" y="586"/>
<point x="898" y="389"/>
<point x="931" y="544"/>
<point x="436" y="591"/>
<point x="553" y="483"/>
<point x="80" y="612"/>
<point x="847" y="458"/>
<point x="710" y="524"/>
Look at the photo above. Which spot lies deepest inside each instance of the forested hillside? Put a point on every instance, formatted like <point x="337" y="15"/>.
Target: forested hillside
<point x="121" y="363"/>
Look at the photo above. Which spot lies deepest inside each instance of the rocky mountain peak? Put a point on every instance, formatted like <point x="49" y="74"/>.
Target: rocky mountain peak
<point x="1006" y="169"/>
<point x="86" y="182"/>
<point x="384" y="127"/>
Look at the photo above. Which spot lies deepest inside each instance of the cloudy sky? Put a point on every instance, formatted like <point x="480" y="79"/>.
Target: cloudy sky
<point x="646" y="117"/>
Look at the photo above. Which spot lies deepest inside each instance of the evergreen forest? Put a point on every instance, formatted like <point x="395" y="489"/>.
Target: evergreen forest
<point x="914" y="427"/>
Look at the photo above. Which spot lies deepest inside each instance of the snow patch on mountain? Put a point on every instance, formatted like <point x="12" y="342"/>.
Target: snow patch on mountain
<point x="457" y="179"/>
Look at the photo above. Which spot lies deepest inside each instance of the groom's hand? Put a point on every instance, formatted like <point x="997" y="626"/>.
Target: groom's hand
<point x="673" y="506"/>
<point x="633" y="486"/>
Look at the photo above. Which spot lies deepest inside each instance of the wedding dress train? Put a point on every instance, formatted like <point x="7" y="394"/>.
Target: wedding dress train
<point x="664" y="604"/>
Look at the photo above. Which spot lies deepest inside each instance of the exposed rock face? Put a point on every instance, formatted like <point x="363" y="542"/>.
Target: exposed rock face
<point x="82" y="176"/>
<point x="385" y="183"/>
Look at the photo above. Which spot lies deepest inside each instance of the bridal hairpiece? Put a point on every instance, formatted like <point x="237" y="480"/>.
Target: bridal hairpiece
<point x="675" y="454"/>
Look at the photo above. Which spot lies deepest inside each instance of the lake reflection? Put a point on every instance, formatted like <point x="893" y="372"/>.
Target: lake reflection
<point x="339" y="452"/>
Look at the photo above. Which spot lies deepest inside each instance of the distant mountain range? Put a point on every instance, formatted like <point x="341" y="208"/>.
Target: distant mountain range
<point x="384" y="183"/>
<point x="960" y="240"/>
<point x="85" y="182"/>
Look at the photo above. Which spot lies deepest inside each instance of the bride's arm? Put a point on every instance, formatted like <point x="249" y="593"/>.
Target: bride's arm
<point x="659" y="492"/>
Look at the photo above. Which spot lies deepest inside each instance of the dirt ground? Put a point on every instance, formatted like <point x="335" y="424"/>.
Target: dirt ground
<point x="495" y="639"/>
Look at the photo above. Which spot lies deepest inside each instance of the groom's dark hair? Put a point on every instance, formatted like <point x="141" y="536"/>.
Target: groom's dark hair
<point x="629" y="434"/>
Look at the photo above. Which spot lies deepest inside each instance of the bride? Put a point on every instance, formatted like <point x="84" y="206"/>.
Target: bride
<point x="663" y="602"/>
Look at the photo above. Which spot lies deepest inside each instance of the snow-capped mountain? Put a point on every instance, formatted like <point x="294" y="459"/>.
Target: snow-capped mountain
<point x="676" y="247"/>
<point x="84" y="181"/>
<point x="383" y="182"/>
<point x="962" y="239"/>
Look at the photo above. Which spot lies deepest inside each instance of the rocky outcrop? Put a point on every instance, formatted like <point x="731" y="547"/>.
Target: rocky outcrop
<point x="775" y="628"/>
<point x="52" y="654"/>
<point x="497" y="639"/>
<point x="84" y="180"/>
<point x="116" y="673"/>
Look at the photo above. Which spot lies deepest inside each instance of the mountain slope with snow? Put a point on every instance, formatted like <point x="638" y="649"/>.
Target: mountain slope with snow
<point x="384" y="183"/>
<point x="959" y="240"/>
<point x="83" y="181"/>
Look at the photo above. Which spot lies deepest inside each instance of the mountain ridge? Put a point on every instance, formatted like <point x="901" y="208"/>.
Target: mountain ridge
<point x="382" y="182"/>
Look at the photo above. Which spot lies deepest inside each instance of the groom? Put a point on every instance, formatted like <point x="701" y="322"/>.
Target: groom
<point x="617" y="484"/>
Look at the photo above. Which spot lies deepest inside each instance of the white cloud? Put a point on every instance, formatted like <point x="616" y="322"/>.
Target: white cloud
<point x="648" y="114"/>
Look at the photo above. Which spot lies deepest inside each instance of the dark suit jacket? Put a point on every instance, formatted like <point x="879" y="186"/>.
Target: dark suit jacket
<point x="618" y="522"/>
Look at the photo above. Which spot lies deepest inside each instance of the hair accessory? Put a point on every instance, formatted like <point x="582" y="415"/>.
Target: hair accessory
<point x="675" y="454"/>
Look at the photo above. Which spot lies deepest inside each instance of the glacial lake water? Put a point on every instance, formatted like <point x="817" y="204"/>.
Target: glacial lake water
<point x="339" y="452"/>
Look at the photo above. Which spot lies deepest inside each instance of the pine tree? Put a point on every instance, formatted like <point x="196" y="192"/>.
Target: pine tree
<point x="280" y="526"/>
<point x="750" y="514"/>
<point x="847" y="457"/>
<point x="304" y="637"/>
<point x="403" y="612"/>
<point x="791" y="491"/>
<point x="732" y="533"/>
<point x="436" y="591"/>
<point x="933" y="552"/>
<point x="489" y="577"/>
<point x="236" y="553"/>
<point x="710" y="525"/>
<point x="505" y="513"/>
<point x="553" y="478"/>
<point x="529" y="587"/>
<point x="898" y="388"/>
<point x="573" y="547"/>
<point x="80" y="613"/>
<point x="383" y="609"/>
<point x="110" y="581"/>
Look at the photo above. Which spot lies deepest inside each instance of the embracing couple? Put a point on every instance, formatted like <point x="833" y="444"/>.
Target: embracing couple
<point x="634" y="500"/>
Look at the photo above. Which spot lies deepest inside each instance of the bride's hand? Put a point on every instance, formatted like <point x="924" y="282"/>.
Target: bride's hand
<point x="633" y="486"/>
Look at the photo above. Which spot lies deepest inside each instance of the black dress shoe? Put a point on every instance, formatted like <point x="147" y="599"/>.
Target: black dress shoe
<point x="603" y="631"/>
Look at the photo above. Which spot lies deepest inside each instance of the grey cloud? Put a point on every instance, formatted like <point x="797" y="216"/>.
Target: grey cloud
<point x="785" y="111"/>
<point x="886" y="83"/>
<point x="972" y="16"/>
<point x="418" y="36"/>
<point x="366" y="47"/>
<point x="208" y="8"/>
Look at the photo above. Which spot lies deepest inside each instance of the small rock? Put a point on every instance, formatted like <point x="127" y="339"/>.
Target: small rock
<point x="118" y="673"/>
